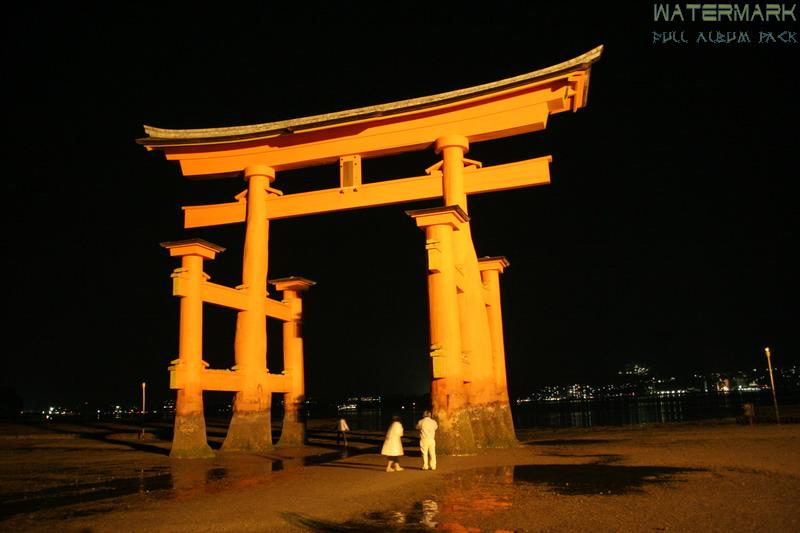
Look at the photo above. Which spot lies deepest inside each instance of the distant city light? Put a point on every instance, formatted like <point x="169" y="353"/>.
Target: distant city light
<point x="639" y="382"/>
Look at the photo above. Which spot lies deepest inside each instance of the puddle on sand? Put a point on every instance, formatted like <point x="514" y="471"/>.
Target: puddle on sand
<point x="422" y="517"/>
<point x="190" y="477"/>
<point x="471" y="497"/>
<point x="26" y="502"/>
<point x="596" y="478"/>
<point x="178" y="480"/>
<point x="567" y="442"/>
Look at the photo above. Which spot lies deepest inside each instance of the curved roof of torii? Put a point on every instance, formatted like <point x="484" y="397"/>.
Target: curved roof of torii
<point x="161" y="137"/>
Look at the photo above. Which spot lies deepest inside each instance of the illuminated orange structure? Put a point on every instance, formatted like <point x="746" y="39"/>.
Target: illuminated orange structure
<point x="469" y="391"/>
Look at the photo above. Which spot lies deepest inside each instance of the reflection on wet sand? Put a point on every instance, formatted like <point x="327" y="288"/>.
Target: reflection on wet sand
<point x="463" y="501"/>
<point x="180" y="479"/>
<point x="595" y="478"/>
<point x="48" y="498"/>
<point x="467" y="499"/>
<point x="190" y="477"/>
<point x="481" y="491"/>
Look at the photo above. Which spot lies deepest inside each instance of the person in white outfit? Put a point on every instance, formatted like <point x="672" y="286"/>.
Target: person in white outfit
<point x="341" y="431"/>
<point x="393" y="445"/>
<point x="427" y="427"/>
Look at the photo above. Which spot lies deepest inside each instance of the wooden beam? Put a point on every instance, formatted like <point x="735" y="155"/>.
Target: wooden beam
<point x="224" y="380"/>
<point x="521" y="113"/>
<point x="476" y="180"/>
<point x="224" y="296"/>
<point x="233" y="299"/>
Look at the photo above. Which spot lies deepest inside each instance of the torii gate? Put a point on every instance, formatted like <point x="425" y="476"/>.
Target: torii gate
<point x="468" y="389"/>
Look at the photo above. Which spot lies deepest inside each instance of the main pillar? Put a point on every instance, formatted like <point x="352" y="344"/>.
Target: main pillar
<point x="491" y="268"/>
<point x="189" y="437"/>
<point x="487" y="426"/>
<point x="250" y="428"/>
<point x="293" y="432"/>
<point x="448" y="393"/>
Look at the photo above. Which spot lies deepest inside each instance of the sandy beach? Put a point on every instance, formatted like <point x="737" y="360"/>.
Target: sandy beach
<point x="674" y="477"/>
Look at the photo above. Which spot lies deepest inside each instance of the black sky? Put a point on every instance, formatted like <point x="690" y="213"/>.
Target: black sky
<point x="668" y="236"/>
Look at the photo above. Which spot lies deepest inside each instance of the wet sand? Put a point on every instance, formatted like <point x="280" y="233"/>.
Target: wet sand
<point x="675" y="477"/>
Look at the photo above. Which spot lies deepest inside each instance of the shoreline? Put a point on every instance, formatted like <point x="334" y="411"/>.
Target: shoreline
<point x="684" y="476"/>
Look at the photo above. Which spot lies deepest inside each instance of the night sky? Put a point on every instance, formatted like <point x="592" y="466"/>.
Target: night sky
<point x="668" y="236"/>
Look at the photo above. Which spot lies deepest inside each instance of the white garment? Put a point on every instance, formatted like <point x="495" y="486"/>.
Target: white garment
<point x="427" y="428"/>
<point x="393" y="445"/>
<point x="427" y="444"/>
<point x="428" y="449"/>
<point x="343" y="425"/>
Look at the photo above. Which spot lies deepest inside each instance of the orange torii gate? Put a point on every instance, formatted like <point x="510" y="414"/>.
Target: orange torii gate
<point x="468" y="388"/>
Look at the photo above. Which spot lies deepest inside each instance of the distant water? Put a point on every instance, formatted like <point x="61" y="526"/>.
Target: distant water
<point x="609" y="412"/>
<point x="370" y="419"/>
<point x="649" y="409"/>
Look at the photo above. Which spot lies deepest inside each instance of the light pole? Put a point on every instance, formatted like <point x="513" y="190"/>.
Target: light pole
<point x="144" y="385"/>
<point x="772" y="383"/>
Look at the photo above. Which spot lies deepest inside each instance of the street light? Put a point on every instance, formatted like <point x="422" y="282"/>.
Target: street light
<point x="772" y="382"/>
<point x="144" y="385"/>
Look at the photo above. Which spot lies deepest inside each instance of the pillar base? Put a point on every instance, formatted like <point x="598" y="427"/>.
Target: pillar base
<point x="455" y="436"/>
<point x="189" y="439"/>
<point x="507" y="423"/>
<point x="497" y="426"/>
<point x="249" y="432"/>
<point x="293" y="432"/>
<point x="481" y="425"/>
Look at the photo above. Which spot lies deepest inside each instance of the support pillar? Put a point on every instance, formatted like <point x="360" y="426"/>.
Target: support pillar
<point x="189" y="437"/>
<point x="293" y="432"/>
<point x="448" y="394"/>
<point x="491" y="268"/>
<point x="475" y="335"/>
<point x="250" y="428"/>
